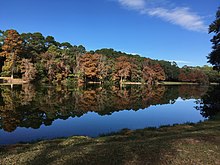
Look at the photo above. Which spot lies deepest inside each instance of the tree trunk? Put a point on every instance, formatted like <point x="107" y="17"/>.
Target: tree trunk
<point x="13" y="64"/>
<point x="121" y="80"/>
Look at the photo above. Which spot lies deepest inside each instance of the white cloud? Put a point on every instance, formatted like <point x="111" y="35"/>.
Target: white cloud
<point x="180" y="62"/>
<point x="181" y="16"/>
<point x="134" y="4"/>
<point x="133" y="53"/>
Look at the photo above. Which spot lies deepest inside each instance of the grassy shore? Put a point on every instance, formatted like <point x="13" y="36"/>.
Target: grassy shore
<point x="162" y="83"/>
<point x="167" y="83"/>
<point x="180" y="144"/>
<point x="177" y="83"/>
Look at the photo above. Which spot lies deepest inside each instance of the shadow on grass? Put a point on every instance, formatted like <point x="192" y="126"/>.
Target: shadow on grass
<point x="179" y="144"/>
<point x="130" y="147"/>
<point x="106" y="151"/>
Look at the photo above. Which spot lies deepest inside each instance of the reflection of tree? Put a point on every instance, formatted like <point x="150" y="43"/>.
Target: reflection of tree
<point x="184" y="92"/>
<point x="26" y="107"/>
<point x="209" y="105"/>
<point x="27" y="94"/>
<point x="10" y="119"/>
<point x="170" y="95"/>
<point x="192" y="91"/>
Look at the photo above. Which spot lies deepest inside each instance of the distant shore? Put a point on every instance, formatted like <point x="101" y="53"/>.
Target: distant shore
<point x="177" y="83"/>
<point x="183" y="83"/>
<point x="167" y="83"/>
<point x="19" y="81"/>
<point x="9" y="81"/>
<point x="162" y="83"/>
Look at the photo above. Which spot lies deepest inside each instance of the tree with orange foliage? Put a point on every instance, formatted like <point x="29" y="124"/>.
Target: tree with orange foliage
<point x="11" y="49"/>
<point x="123" y="68"/>
<point x="159" y="74"/>
<point x="193" y="75"/>
<point x="28" y="70"/>
<point x="89" y="66"/>
<point x="148" y="75"/>
<point x="152" y="72"/>
<point x="105" y="68"/>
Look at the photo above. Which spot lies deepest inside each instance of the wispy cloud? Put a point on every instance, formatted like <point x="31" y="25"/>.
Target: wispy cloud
<point x="134" y="4"/>
<point x="132" y="53"/>
<point x="180" y="62"/>
<point x="182" y="16"/>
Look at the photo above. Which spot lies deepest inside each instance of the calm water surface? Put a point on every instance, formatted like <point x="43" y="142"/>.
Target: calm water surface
<point x="29" y="113"/>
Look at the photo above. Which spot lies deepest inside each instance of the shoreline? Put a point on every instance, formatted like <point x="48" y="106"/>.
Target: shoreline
<point x="168" y="83"/>
<point x="9" y="81"/>
<point x="18" y="81"/>
<point x="177" y="144"/>
<point x="177" y="83"/>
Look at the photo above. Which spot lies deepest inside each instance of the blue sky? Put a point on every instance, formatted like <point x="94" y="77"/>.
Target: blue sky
<point x="159" y="29"/>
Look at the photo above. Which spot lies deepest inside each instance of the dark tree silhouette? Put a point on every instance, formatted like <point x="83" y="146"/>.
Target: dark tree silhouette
<point x="210" y="103"/>
<point x="214" y="56"/>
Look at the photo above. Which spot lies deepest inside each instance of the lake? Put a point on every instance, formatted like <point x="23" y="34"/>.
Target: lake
<point x="29" y="113"/>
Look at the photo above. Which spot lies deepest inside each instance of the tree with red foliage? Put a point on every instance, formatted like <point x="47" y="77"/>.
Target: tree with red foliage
<point x="193" y="75"/>
<point x="159" y="74"/>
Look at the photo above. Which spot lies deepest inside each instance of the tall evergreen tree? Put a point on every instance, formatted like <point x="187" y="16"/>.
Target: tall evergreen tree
<point x="214" y="56"/>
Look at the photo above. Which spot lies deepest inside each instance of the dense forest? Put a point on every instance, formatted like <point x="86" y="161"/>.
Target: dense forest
<point x="36" y="58"/>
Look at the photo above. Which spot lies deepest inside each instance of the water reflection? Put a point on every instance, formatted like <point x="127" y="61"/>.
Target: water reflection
<point x="209" y="104"/>
<point x="30" y="107"/>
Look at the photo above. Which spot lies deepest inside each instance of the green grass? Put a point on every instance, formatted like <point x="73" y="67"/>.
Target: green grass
<point x="179" y="144"/>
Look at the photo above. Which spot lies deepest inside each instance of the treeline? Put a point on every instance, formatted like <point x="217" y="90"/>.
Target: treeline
<point x="34" y="57"/>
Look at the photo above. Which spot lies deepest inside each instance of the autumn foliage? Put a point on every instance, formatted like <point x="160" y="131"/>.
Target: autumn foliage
<point x="12" y="47"/>
<point x="33" y="57"/>
<point x="193" y="75"/>
<point x="89" y="67"/>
